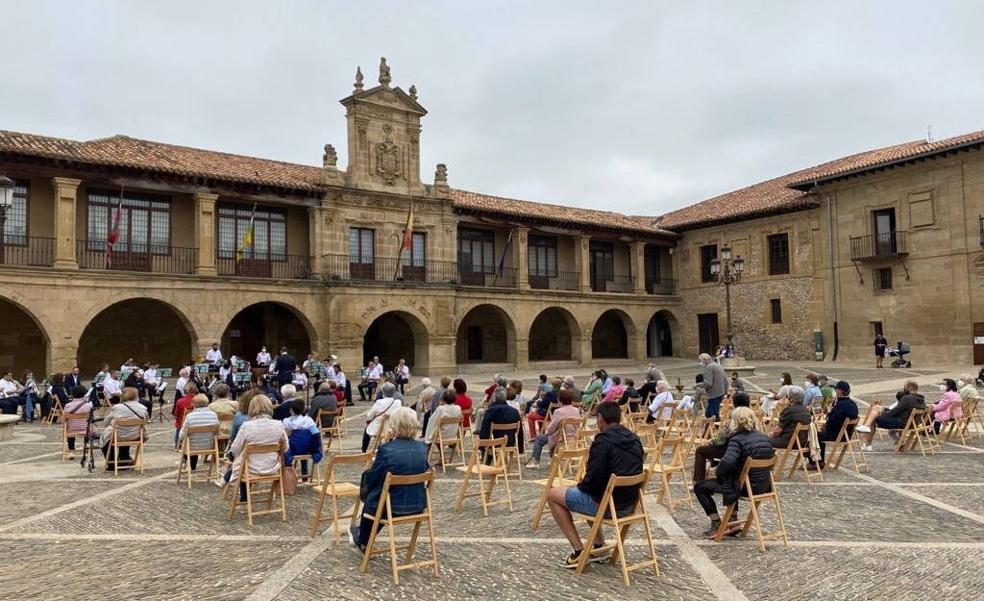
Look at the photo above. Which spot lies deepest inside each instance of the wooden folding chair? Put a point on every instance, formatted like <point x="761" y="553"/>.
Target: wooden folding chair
<point x="212" y="451"/>
<point x="455" y="443"/>
<point x="477" y="467"/>
<point x="313" y="477"/>
<point x="224" y="429"/>
<point x="382" y="435"/>
<point x="337" y="490"/>
<point x="511" y="451"/>
<point x="67" y="418"/>
<point x="384" y="517"/>
<point x="932" y="439"/>
<point x="665" y="467"/>
<point x="755" y="501"/>
<point x="330" y="433"/>
<point x="136" y="446"/>
<point x="566" y="439"/>
<point x="976" y="414"/>
<point x="608" y="515"/>
<point x="960" y="426"/>
<point x="584" y="437"/>
<point x="847" y="442"/>
<point x="561" y="462"/>
<point x="249" y="479"/>
<point x="55" y="413"/>
<point x="796" y="450"/>
<point x="912" y="433"/>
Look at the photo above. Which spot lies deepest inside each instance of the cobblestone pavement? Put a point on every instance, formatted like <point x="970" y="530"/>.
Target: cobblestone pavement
<point x="913" y="527"/>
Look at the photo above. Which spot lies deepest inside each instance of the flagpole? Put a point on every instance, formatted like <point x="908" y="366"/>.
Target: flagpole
<point x="407" y="241"/>
<point x="502" y="259"/>
<point x="248" y="234"/>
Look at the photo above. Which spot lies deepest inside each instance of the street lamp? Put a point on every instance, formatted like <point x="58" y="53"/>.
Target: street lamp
<point x="6" y="200"/>
<point x="727" y="271"/>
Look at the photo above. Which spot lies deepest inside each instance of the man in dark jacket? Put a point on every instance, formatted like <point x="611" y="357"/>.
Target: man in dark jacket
<point x="499" y="412"/>
<point x="744" y="443"/>
<point x="844" y="409"/>
<point x="893" y="418"/>
<point x="615" y="450"/>
<point x="795" y="413"/>
<point x="284" y="367"/>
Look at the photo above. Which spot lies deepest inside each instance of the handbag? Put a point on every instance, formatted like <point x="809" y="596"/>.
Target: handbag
<point x="289" y="476"/>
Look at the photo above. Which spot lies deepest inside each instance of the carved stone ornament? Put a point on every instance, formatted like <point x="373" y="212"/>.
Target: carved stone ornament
<point x="441" y="174"/>
<point x="388" y="165"/>
<point x="330" y="158"/>
<point x="384" y="73"/>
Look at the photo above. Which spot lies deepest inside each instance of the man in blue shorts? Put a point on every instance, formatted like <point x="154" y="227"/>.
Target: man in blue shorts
<point x="615" y="450"/>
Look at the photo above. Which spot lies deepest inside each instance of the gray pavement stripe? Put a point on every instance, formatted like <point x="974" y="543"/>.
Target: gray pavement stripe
<point x="918" y="497"/>
<point x="854" y="544"/>
<point x="283" y="576"/>
<point x="85" y="501"/>
<point x="29" y="459"/>
<point x="149" y="537"/>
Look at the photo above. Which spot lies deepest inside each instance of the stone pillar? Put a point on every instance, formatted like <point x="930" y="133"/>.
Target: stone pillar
<point x="66" y="192"/>
<point x="637" y="258"/>
<point x="584" y="355"/>
<point x="520" y="251"/>
<point x="205" y="233"/>
<point x="522" y="353"/>
<point x="583" y="260"/>
<point x="316" y="240"/>
<point x="63" y="356"/>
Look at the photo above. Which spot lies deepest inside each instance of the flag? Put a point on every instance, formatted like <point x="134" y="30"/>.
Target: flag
<point x="247" y="242"/>
<point x="407" y="244"/>
<point x="500" y="270"/>
<point x="114" y="232"/>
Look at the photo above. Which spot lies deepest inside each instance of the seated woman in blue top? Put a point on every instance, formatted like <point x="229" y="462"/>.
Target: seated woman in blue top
<point x="402" y="456"/>
<point x="304" y="437"/>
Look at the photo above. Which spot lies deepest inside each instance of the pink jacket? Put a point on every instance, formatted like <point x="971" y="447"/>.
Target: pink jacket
<point x="950" y="406"/>
<point x="553" y="430"/>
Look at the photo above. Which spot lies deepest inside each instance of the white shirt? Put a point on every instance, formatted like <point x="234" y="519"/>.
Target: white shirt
<point x="213" y="355"/>
<point x="657" y="402"/>
<point x="150" y="376"/>
<point x="403" y="372"/>
<point x="263" y="358"/>
<point x="180" y="385"/>
<point x="223" y="372"/>
<point x="375" y="416"/>
<point x="8" y="387"/>
<point x="300" y="380"/>
<point x="111" y="387"/>
<point x="339" y="379"/>
<point x="375" y="373"/>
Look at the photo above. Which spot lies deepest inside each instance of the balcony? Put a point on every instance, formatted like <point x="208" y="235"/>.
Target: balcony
<point x="622" y="284"/>
<point x="277" y="267"/>
<point x="91" y="254"/>
<point x="488" y="278"/>
<point x="561" y="280"/>
<point x="342" y="268"/>
<point x="661" y="286"/>
<point x="879" y="246"/>
<point x="23" y="251"/>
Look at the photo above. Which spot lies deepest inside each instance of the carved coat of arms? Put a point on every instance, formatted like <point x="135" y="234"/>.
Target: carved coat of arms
<point x="388" y="165"/>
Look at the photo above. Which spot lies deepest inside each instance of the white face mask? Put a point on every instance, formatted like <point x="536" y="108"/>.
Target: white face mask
<point x="807" y="384"/>
<point x="942" y="387"/>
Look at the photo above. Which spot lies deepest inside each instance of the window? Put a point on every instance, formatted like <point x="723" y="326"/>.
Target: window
<point x="15" y="228"/>
<point x="885" y="238"/>
<point x="707" y="254"/>
<point x="602" y="256"/>
<point x="416" y="255"/>
<point x="269" y="232"/>
<point x="883" y="278"/>
<point x="362" y="243"/>
<point x="652" y="266"/>
<point x="543" y="256"/>
<point x="778" y="254"/>
<point x="776" y="310"/>
<point x="876" y="327"/>
<point x="476" y="250"/>
<point x="145" y="222"/>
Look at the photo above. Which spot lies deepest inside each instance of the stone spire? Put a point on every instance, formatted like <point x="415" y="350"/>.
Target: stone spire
<point x="384" y="73"/>
<point x="358" y="79"/>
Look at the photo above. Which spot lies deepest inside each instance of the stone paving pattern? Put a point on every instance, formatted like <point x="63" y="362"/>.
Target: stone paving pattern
<point x="144" y="537"/>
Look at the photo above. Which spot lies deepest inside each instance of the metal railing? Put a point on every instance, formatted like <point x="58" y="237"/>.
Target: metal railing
<point x="490" y="278"/>
<point x="980" y="219"/>
<point x="875" y="246"/>
<point x="24" y="251"/>
<point x="278" y="267"/>
<point x="561" y="280"/>
<point x="91" y="254"/>
<point x="342" y="268"/>
<point x="615" y="283"/>
<point x="661" y="286"/>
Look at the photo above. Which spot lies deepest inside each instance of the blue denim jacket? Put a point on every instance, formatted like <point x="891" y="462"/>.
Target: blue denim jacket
<point x="402" y="457"/>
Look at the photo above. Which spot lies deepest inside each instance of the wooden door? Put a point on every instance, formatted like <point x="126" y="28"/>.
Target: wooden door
<point x="475" y="350"/>
<point x="707" y="332"/>
<point x="978" y="343"/>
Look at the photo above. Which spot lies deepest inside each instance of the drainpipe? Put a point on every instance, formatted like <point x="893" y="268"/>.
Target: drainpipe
<point x="831" y="244"/>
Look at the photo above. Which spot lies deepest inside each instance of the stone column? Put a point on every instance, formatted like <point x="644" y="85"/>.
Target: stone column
<point x="522" y="353"/>
<point x="316" y="240"/>
<point x="63" y="356"/>
<point x="205" y="233"/>
<point x="66" y="192"/>
<point x="584" y="344"/>
<point x="583" y="260"/>
<point x="520" y="251"/>
<point x="638" y="259"/>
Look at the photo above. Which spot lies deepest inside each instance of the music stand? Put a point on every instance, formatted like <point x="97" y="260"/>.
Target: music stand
<point x="162" y="372"/>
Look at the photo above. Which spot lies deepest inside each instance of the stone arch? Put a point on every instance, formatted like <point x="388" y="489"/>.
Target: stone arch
<point x="25" y="343"/>
<point x="396" y="335"/>
<point x="486" y="334"/>
<point x="659" y="334"/>
<point x="273" y="324"/>
<point x="613" y="335"/>
<point x="147" y="329"/>
<point x="554" y="336"/>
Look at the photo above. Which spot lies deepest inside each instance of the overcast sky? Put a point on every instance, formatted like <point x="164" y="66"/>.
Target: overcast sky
<point x="639" y="107"/>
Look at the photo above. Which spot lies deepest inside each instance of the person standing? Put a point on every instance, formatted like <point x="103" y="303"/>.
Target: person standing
<point x="881" y="343"/>
<point x="284" y="367"/>
<point x="214" y="355"/>
<point x="402" y="375"/>
<point x="263" y="358"/>
<point x="715" y="384"/>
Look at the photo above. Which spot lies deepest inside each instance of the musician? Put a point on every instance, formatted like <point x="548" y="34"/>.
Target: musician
<point x="128" y="364"/>
<point x="263" y="358"/>
<point x="150" y="379"/>
<point x="111" y="386"/>
<point x="135" y="379"/>
<point x="307" y="362"/>
<point x="402" y="375"/>
<point x="300" y="379"/>
<point x="374" y="371"/>
<point x="102" y="375"/>
<point x="214" y="355"/>
<point x="284" y="367"/>
<point x="73" y="379"/>
<point x="10" y="390"/>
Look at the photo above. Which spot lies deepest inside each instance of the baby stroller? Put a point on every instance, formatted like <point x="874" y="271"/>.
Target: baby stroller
<point x="899" y="353"/>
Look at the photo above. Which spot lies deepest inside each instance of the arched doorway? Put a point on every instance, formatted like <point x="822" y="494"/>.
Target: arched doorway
<point x="659" y="335"/>
<point x="23" y="344"/>
<point x="610" y="338"/>
<point x="142" y="328"/>
<point x="396" y="335"/>
<point x="486" y="335"/>
<point x="268" y="324"/>
<point x="552" y="336"/>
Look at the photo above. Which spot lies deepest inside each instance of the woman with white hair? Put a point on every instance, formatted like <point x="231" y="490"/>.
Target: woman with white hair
<point x="424" y="397"/>
<point x="794" y="413"/>
<point x="402" y="456"/>
<point x="662" y="402"/>
<point x="386" y="404"/>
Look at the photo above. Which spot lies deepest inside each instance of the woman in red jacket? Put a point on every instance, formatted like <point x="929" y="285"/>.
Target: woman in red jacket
<point x="464" y="401"/>
<point x="182" y="406"/>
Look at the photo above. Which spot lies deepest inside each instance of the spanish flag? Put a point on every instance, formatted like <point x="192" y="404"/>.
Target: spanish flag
<point x="247" y="242"/>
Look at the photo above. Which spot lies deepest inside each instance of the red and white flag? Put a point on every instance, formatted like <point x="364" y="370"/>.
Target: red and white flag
<point x="114" y="233"/>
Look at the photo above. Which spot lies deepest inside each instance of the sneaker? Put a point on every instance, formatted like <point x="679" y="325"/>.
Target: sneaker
<point x="572" y="560"/>
<point x="867" y="448"/>
<point x="532" y="464"/>
<point x="813" y="467"/>
<point x="864" y="429"/>
<point x="600" y="557"/>
<point x="220" y="482"/>
<point x="353" y="533"/>
<point x="715" y="525"/>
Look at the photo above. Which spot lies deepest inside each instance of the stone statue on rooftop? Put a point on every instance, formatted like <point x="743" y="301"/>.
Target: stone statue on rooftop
<point x="330" y="158"/>
<point x="358" y="79"/>
<point x="384" y="73"/>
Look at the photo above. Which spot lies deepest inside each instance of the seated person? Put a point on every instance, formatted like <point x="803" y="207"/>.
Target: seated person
<point x="124" y="406"/>
<point x="659" y="408"/>
<point x="552" y="435"/>
<point x="282" y="411"/>
<point x="499" y="412"/>
<point x="614" y="393"/>
<point x="812" y="395"/>
<point x="949" y="407"/>
<point x="744" y="442"/>
<point x="200" y="415"/>
<point x="735" y="383"/>
<point x="259" y="430"/>
<point x="543" y="405"/>
<point x="447" y="408"/>
<point x="325" y="400"/>
<point x="223" y="405"/>
<point x="79" y="404"/>
<point x="402" y="456"/>
<point x="715" y="450"/>
<point x="304" y="437"/>
<point x="893" y="417"/>
<point x="385" y="405"/>
<point x="615" y="450"/>
<point x="630" y="395"/>
<point x="794" y="413"/>
<point x="844" y="409"/>
<point x="648" y="388"/>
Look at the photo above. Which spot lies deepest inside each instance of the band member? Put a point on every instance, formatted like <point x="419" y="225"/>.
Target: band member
<point x="284" y="367"/>
<point x="263" y="358"/>
<point x="73" y="379"/>
<point x="10" y="394"/>
<point x="402" y="375"/>
<point x="214" y="355"/>
<point x="111" y="386"/>
<point x="151" y="379"/>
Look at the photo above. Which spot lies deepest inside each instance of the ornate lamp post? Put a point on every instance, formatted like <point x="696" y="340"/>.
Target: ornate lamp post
<point x="6" y="200"/>
<point x="728" y="271"/>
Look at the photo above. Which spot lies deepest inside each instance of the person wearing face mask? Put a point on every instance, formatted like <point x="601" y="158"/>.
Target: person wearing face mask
<point x="263" y="358"/>
<point x="967" y="388"/>
<point x="813" y="397"/>
<point x="949" y="407"/>
<point x="894" y="417"/>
